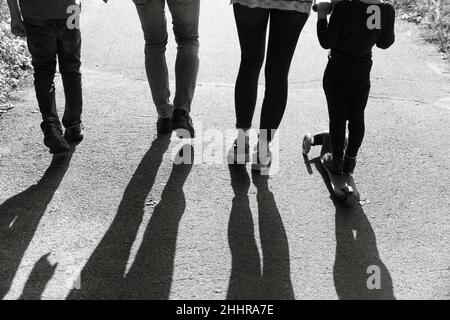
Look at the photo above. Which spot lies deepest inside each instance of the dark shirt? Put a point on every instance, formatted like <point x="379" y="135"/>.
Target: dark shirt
<point x="348" y="35"/>
<point x="46" y="9"/>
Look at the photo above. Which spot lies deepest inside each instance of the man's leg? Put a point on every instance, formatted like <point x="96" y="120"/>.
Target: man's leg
<point x="185" y="16"/>
<point x="153" y="21"/>
<point x="69" y="54"/>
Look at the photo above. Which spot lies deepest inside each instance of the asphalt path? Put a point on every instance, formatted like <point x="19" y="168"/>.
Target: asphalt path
<point x="117" y="219"/>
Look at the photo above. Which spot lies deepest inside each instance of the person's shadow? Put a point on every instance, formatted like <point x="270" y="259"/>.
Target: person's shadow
<point x="41" y="274"/>
<point x="358" y="266"/>
<point x="248" y="280"/>
<point x="106" y="275"/>
<point x="19" y="219"/>
<point x="152" y="270"/>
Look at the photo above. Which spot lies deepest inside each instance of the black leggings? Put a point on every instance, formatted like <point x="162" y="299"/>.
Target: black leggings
<point x="347" y="96"/>
<point x="285" y="29"/>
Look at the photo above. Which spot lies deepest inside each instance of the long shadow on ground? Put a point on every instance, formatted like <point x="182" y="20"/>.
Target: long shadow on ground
<point x="356" y="251"/>
<point x="19" y="219"/>
<point x="105" y="275"/>
<point x="248" y="279"/>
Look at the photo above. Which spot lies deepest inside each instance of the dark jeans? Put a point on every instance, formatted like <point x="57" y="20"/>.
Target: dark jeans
<point x="49" y="40"/>
<point x="185" y="16"/>
<point x="347" y="87"/>
<point x="285" y="29"/>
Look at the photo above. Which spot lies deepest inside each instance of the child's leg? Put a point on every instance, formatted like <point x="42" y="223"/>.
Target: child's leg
<point x="337" y="110"/>
<point x="41" y="39"/>
<point x="356" y="124"/>
<point x="69" y="55"/>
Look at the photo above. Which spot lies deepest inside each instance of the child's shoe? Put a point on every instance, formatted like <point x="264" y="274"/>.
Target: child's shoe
<point x="349" y="164"/>
<point x="54" y="140"/>
<point x="75" y="133"/>
<point x="334" y="166"/>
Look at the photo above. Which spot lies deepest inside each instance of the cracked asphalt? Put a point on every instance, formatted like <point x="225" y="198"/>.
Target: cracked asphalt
<point x="117" y="219"/>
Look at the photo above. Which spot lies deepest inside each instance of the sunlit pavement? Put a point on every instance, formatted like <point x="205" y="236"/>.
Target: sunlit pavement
<point x="118" y="220"/>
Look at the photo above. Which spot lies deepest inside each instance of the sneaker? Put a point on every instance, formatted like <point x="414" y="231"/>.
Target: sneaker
<point x="349" y="165"/>
<point x="75" y="133"/>
<point x="262" y="160"/>
<point x="164" y="125"/>
<point x="54" y="140"/>
<point x="239" y="154"/>
<point x="334" y="166"/>
<point x="182" y="120"/>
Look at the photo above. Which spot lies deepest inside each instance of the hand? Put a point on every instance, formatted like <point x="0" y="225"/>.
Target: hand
<point x="18" y="27"/>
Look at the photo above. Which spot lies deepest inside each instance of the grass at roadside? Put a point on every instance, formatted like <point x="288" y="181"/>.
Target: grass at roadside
<point x="14" y="59"/>
<point x="432" y="15"/>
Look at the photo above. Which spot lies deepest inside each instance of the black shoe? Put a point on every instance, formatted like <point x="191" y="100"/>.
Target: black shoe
<point x="54" y="140"/>
<point x="334" y="166"/>
<point x="75" y="133"/>
<point x="349" y="165"/>
<point x="164" y="125"/>
<point x="181" y="121"/>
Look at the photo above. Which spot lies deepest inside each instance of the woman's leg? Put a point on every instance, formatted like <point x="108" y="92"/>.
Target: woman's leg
<point x="356" y="124"/>
<point x="285" y="29"/>
<point x="251" y="26"/>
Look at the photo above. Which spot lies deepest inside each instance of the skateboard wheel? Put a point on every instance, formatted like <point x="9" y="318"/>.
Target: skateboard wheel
<point x="307" y="142"/>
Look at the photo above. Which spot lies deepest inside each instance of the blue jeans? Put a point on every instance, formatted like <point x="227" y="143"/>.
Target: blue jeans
<point x="185" y="16"/>
<point x="49" y="40"/>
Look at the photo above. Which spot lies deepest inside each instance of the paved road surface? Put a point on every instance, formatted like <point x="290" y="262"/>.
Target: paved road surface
<point x="135" y="226"/>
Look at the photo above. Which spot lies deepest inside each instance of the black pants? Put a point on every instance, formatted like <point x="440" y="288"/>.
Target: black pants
<point x="346" y="87"/>
<point x="47" y="41"/>
<point x="285" y="29"/>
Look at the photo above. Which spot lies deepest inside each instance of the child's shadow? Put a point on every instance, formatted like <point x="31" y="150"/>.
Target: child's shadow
<point x="247" y="280"/>
<point x="356" y="252"/>
<point x="20" y="217"/>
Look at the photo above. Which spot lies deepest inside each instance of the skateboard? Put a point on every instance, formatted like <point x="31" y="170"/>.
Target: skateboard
<point x="342" y="185"/>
